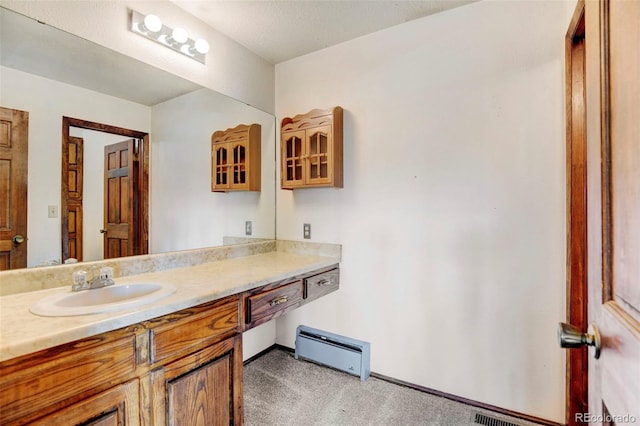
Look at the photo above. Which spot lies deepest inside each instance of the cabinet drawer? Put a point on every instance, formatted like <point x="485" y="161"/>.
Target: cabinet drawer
<point x="39" y="384"/>
<point x="321" y="284"/>
<point x="262" y="307"/>
<point x="188" y="329"/>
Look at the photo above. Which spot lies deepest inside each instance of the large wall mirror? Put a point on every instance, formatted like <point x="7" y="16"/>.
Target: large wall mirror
<point x="52" y="74"/>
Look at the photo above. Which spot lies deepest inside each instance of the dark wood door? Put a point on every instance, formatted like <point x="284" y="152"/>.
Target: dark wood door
<point x="14" y="139"/>
<point x="119" y="207"/>
<point x="73" y="216"/>
<point x="613" y="194"/>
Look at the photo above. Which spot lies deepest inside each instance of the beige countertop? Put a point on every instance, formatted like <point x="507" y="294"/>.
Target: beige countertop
<point x="22" y="332"/>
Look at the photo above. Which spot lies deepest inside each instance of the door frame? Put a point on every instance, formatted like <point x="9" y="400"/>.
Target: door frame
<point x="141" y="244"/>
<point x="577" y="367"/>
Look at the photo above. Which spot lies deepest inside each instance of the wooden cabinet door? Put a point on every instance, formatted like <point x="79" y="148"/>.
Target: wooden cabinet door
<point x="119" y="406"/>
<point x="239" y="170"/>
<point x="613" y="194"/>
<point x="14" y="128"/>
<point x="220" y="169"/>
<point x="201" y="389"/>
<point x="318" y="158"/>
<point x="293" y="159"/>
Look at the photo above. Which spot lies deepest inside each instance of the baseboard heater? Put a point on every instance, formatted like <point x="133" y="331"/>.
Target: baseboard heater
<point x="342" y="353"/>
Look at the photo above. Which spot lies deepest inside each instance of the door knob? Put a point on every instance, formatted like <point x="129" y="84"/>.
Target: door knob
<point x="570" y="336"/>
<point x="18" y="239"/>
<point x="103" y="231"/>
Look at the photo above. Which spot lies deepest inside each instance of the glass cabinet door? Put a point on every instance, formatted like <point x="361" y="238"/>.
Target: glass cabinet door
<point x="221" y="166"/>
<point x="318" y="155"/>
<point x="292" y="158"/>
<point x="239" y="165"/>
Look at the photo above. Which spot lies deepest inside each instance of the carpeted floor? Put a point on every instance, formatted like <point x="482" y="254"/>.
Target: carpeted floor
<point x="280" y="390"/>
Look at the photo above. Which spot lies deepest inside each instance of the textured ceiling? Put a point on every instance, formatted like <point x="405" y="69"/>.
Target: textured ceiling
<point x="279" y="30"/>
<point x="276" y="30"/>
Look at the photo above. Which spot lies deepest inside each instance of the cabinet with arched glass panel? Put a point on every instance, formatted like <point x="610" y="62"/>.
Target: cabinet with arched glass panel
<point x="311" y="149"/>
<point x="235" y="159"/>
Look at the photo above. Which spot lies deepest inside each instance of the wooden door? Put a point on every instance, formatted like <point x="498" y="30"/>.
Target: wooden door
<point x="119" y="206"/>
<point x="73" y="216"/>
<point x="613" y="206"/>
<point x="14" y="127"/>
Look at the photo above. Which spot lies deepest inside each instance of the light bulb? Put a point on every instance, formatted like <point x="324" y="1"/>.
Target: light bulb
<point x="179" y="35"/>
<point x="202" y="46"/>
<point x="152" y="23"/>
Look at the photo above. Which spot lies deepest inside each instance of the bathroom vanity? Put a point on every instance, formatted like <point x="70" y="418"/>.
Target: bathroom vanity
<point x="175" y="361"/>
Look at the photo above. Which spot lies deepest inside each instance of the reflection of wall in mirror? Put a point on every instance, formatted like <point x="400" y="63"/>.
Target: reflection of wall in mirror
<point x="27" y="92"/>
<point x="179" y="144"/>
<point x="185" y="213"/>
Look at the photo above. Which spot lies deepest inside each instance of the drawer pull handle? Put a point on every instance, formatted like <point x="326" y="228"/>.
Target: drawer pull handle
<point x="279" y="300"/>
<point x="323" y="282"/>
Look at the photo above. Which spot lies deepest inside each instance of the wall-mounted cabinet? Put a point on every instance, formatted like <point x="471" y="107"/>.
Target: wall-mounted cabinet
<point x="235" y="159"/>
<point x="311" y="149"/>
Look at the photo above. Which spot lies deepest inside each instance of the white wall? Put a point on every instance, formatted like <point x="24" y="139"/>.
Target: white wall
<point x="47" y="101"/>
<point x="230" y="68"/>
<point x="453" y="208"/>
<point x="181" y="197"/>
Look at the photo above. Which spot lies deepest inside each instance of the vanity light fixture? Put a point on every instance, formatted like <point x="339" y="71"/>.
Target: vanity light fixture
<point x="151" y="27"/>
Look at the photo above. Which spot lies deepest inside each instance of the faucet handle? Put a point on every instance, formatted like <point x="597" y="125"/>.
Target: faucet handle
<point x="79" y="281"/>
<point x="106" y="275"/>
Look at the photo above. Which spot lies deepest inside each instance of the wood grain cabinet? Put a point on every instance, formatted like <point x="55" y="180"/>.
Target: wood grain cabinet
<point x="75" y="383"/>
<point x="183" y="368"/>
<point x="202" y="388"/>
<point x="318" y="285"/>
<point x="118" y="406"/>
<point x="311" y="149"/>
<point x="235" y="159"/>
<point x="273" y="300"/>
<point x="196" y="366"/>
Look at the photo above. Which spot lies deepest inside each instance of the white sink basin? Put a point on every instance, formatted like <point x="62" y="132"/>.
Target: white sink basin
<point x="107" y="299"/>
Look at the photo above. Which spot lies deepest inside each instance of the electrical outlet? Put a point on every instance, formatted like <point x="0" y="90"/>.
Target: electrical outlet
<point x="306" y="231"/>
<point x="247" y="227"/>
<point x="53" y="211"/>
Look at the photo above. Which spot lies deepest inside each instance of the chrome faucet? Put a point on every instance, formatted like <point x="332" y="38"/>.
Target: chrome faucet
<point x="103" y="279"/>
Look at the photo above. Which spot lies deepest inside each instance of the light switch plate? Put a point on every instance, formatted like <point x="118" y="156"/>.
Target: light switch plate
<point x="53" y="211"/>
<point x="306" y="231"/>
